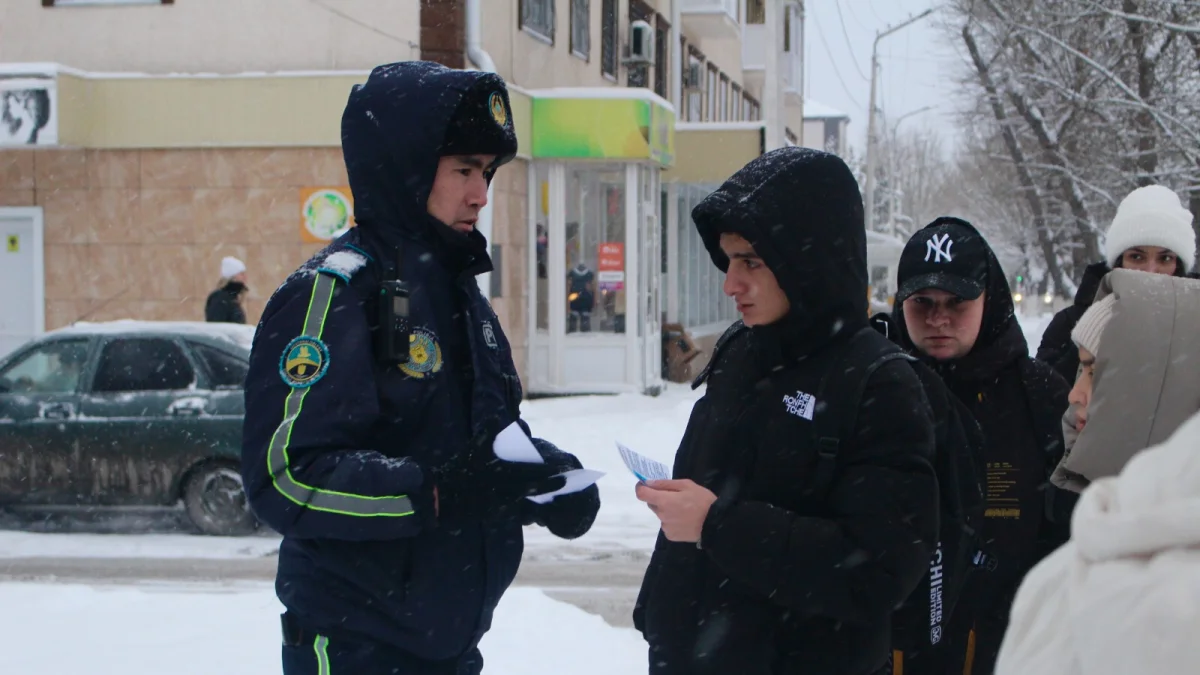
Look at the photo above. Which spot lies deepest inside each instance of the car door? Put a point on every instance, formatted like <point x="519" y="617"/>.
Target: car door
<point x="224" y="372"/>
<point x="146" y="409"/>
<point x="39" y="423"/>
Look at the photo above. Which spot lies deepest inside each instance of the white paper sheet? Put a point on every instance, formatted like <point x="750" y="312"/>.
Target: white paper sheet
<point x="514" y="446"/>
<point x="577" y="479"/>
<point x="643" y="467"/>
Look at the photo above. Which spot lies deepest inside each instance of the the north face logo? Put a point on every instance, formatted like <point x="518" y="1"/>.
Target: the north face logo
<point x="939" y="248"/>
<point x="801" y="405"/>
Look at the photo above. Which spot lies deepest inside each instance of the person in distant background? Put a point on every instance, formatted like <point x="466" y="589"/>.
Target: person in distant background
<point x="226" y="304"/>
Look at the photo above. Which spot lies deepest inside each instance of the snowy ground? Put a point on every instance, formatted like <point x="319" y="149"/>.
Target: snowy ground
<point x="232" y="628"/>
<point x="199" y="629"/>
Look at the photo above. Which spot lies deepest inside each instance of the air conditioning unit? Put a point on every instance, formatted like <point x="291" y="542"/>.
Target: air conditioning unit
<point x="641" y="44"/>
<point x="693" y="76"/>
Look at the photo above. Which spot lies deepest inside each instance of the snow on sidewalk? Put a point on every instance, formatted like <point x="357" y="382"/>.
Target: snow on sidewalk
<point x="234" y="629"/>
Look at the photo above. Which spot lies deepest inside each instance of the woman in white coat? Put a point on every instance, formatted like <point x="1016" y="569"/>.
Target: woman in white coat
<point x="1123" y="595"/>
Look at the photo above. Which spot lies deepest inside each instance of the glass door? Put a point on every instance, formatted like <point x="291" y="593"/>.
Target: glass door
<point x="650" y="279"/>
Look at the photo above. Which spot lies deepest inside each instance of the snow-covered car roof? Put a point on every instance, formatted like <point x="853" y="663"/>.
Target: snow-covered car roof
<point x="240" y="335"/>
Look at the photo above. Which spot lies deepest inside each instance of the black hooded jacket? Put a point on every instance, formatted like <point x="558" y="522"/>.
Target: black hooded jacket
<point x="1019" y="403"/>
<point x="1057" y="347"/>
<point x="340" y="463"/>
<point x="783" y="582"/>
<point x="222" y="305"/>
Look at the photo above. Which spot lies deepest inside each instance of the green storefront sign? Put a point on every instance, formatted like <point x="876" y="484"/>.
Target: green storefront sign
<point x="603" y="128"/>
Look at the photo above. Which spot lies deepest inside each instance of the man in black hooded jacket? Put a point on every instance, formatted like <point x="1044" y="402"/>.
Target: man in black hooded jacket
<point x="754" y="571"/>
<point x="957" y="316"/>
<point x="401" y="527"/>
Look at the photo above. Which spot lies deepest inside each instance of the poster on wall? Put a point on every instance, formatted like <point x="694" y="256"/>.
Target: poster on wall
<point x="611" y="272"/>
<point x="28" y="110"/>
<point x="325" y="214"/>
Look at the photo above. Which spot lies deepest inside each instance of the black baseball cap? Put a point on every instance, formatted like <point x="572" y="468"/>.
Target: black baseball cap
<point x="949" y="255"/>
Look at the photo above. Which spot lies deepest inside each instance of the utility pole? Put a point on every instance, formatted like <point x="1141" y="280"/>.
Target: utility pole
<point x="771" y="94"/>
<point x="871" y="140"/>
<point x="893" y="169"/>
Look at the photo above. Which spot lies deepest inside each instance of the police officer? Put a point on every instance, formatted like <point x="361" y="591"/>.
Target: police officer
<point x="379" y="380"/>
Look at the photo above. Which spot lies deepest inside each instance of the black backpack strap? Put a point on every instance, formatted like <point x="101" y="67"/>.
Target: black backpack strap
<point x="839" y="397"/>
<point x="733" y="331"/>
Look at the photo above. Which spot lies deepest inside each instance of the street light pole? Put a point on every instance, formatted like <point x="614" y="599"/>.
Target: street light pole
<point x="892" y="170"/>
<point x="871" y="140"/>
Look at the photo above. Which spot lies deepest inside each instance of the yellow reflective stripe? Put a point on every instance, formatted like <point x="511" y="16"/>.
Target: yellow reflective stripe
<point x="342" y="503"/>
<point x="321" y="647"/>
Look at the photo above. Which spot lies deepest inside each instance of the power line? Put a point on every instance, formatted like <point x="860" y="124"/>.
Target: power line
<point x="833" y="62"/>
<point x="362" y="24"/>
<point x="846" y="34"/>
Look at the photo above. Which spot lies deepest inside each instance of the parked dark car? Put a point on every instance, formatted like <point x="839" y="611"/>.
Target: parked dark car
<point x="128" y="414"/>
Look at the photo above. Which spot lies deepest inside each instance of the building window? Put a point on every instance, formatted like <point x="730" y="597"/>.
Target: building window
<point x="639" y="75"/>
<point x="724" y="99"/>
<point x="581" y="29"/>
<point x="736" y="101"/>
<point x="750" y="108"/>
<point x="608" y="37"/>
<point x="787" y="31"/>
<point x="537" y="17"/>
<point x="756" y="11"/>
<point x="710" y="88"/>
<point x="662" y="57"/>
<point x="701" y="299"/>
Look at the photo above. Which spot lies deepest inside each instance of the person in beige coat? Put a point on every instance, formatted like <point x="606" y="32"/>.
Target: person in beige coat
<point x="1139" y="350"/>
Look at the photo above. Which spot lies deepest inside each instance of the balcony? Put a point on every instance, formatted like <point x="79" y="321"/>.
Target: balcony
<point x="754" y="57"/>
<point x="711" y="18"/>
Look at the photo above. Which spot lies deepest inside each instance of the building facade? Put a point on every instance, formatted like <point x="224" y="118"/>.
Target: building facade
<point x="147" y="139"/>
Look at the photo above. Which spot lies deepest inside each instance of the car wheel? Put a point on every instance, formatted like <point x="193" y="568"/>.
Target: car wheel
<point x="216" y="502"/>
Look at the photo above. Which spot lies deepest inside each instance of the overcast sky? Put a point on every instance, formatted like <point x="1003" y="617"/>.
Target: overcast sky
<point x="918" y="63"/>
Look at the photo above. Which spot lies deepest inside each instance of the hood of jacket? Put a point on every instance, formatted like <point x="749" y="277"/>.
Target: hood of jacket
<point x="1145" y="383"/>
<point x="1001" y="340"/>
<point x="802" y="212"/>
<point x="393" y="130"/>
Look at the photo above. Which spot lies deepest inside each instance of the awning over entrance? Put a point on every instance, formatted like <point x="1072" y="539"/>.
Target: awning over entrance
<point x="610" y="123"/>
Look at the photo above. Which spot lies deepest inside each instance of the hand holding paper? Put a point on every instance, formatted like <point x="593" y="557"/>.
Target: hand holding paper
<point x="513" y="445"/>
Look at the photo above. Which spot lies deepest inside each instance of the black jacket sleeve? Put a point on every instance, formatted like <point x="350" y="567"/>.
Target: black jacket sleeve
<point x="1057" y="347"/>
<point x="1047" y="392"/>
<point x="862" y="560"/>
<point x="307" y="466"/>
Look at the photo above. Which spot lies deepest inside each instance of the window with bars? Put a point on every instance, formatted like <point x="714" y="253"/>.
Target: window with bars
<point x="710" y="87"/>
<point x="537" y="16"/>
<point x="702" y="302"/>
<point x="723" y="103"/>
<point x="737" y="102"/>
<point x="608" y="37"/>
<point x="581" y="29"/>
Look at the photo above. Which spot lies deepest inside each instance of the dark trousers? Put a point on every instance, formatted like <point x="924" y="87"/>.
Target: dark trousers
<point x="310" y="653"/>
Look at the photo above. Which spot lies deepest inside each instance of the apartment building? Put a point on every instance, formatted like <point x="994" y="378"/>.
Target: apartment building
<point x="150" y="138"/>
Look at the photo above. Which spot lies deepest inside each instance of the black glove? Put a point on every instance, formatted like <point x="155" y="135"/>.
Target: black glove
<point x="477" y="485"/>
<point x="567" y="516"/>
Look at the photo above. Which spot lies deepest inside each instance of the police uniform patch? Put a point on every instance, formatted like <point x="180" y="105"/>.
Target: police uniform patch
<point x="424" y="355"/>
<point x="304" y="361"/>
<point x="496" y="105"/>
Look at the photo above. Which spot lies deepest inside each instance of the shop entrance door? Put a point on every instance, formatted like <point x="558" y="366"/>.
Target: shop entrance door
<point x="594" y="309"/>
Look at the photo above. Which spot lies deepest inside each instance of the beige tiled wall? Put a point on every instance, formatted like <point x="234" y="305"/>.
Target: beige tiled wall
<point x="510" y="232"/>
<point x="140" y="233"/>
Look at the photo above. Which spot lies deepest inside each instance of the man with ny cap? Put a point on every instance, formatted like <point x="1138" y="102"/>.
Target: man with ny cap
<point x="957" y="316"/>
<point x="379" y="381"/>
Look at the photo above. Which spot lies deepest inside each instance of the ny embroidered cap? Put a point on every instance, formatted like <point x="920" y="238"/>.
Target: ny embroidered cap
<point x="948" y="255"/>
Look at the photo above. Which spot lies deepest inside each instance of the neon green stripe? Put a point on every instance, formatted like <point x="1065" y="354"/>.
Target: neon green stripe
<point x="321" y="647"/>
<point x="342" y="503"/>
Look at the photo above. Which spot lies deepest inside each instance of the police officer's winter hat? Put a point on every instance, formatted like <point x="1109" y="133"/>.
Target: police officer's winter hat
<point x="482" y="123"/>
<point x="949" y="255"/>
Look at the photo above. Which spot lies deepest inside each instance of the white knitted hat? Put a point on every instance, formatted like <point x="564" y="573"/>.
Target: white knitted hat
<point x="231" y="267"/>
<point x="1091" y="325"/>
<point x="1152" y="216"/>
